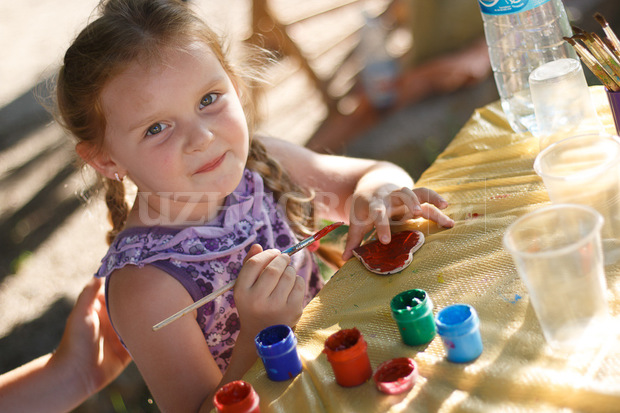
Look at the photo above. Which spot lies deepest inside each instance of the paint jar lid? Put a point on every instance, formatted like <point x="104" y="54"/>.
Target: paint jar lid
<point x="275" y="341"/>
<point x="396" y="376"/>
<point x="411" y="304"/>
<point x="456" y="320"/>
<point x="236" y="397"/>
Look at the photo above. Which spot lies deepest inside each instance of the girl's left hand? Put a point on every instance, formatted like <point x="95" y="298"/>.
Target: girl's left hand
<point x="378" y="209"/>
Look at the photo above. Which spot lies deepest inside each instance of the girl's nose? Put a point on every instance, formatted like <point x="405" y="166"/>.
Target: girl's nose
<point x="198" y="138"/>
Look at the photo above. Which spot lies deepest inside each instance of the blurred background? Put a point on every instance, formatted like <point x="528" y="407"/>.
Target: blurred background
<point x="52" y="227"/>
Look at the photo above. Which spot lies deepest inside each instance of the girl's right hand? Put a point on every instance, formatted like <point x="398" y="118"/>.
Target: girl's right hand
<point x="268" y="291"/>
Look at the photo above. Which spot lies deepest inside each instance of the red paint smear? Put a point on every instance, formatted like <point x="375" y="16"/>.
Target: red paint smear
<point x="393" y="257"/>
<point x="233" y="392"/>
<point x="343" y="339"/>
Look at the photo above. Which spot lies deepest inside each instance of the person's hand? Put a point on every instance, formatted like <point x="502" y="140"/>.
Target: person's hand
<point x="89" y="343"/>
<point x="268" y="291"/>
<point x="378" y="209"/>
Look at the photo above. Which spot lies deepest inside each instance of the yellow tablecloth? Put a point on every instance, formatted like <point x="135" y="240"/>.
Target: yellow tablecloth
<point x="487" y="177"/>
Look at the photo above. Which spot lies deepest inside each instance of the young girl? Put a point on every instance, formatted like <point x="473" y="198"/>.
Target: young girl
<point x="150" y="96"/>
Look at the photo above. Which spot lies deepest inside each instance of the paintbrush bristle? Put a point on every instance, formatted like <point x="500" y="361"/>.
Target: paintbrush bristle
<point x="600" y="19"/>
<point x="578" y="30"/>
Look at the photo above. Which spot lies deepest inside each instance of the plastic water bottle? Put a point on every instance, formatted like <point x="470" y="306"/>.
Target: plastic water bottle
<point x="380" y="70"/>
<point x="522" y="35"/>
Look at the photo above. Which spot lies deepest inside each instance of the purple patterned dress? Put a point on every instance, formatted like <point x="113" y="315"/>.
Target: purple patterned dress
<point x="205" y="258"/>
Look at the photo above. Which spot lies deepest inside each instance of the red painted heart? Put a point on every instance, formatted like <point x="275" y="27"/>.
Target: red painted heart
<point x="390" y="258"/>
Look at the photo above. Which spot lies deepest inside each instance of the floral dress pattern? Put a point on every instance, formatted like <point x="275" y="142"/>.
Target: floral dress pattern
<point x="206" y="257"/>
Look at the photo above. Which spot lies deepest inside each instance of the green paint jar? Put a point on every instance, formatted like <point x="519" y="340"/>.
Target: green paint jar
<point x="413" y="312"/>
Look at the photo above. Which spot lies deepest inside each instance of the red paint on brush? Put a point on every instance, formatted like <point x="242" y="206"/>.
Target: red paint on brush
<point x="326" y="230"/>
<point x="393" y="257"/>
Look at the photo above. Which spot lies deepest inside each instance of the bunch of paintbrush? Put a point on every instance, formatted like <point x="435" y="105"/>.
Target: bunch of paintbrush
<point x="600" y="54"/>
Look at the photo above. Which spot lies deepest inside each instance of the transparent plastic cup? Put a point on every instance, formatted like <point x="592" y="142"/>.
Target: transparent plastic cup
<point x="557" y="253"/>
<point x="562" y="102"/>
<point x="585" y="170"/>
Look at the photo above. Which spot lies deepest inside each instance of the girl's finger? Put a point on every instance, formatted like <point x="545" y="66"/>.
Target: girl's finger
<point x="426" y="195"/>
<point x="381" y="220"/>
<point x="285" y="284"/>
<point x="296" y="296"/>
<point x="253" y="266"/>
<point x="354" y="238"/>
<point x="254" y="249"/>
<point x="432" y="213"/>
<point x="411" y="201"/>
<point x="271" y="275"/>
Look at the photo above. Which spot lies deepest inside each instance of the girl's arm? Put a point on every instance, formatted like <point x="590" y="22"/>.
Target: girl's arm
<point x="88" y="357"/>
<point x="367" y="193"/>
<point x="175" y="361"/>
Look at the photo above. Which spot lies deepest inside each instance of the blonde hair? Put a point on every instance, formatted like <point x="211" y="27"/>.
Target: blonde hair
<point x="130" y="30"/>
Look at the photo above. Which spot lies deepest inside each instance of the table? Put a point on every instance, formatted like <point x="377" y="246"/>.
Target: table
<point x="487" y="177"/>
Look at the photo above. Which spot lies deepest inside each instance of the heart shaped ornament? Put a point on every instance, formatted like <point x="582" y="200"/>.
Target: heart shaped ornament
<point x="385" y="259"/>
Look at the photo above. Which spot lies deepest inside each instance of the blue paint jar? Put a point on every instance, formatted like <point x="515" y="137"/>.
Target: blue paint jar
<point x="277" y="348"/>
<point x="458" y="326"/>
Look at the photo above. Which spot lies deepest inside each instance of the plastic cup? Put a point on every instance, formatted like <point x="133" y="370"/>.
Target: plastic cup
<point x="585" y="170"/>
<point x="562" y="102"/>
<point x="558" y="255"/>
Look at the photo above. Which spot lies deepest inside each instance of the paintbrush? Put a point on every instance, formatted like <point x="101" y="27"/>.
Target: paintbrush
<point x="289" y="251"/>
<point x="602" y="53"/>
<point x="593" y="65"/>
<point x="608" y="31"/>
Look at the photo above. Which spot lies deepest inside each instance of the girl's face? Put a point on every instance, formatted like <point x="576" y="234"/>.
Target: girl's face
<point x="177" y="129"/>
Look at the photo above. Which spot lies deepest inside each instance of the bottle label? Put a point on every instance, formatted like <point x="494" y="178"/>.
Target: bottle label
<point x="508" y="6"/>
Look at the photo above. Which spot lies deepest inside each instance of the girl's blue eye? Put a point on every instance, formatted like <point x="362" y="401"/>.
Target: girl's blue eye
<point x="208" y="99"/>
<point x="154" y="129"/>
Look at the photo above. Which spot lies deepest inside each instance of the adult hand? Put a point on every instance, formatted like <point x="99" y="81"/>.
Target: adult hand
<point x="89" y="343"/>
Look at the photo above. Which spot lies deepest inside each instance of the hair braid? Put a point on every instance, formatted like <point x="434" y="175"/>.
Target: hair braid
<point x="118" y="209"/>
<point x="297" y="201"/>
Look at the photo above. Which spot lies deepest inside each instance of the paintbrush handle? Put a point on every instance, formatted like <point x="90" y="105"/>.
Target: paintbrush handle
<point x="208" y="298"/>
<point x="204" y="300"/>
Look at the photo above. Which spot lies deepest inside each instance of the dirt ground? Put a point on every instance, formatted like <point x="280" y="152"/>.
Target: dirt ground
<point x="52" y="231"/>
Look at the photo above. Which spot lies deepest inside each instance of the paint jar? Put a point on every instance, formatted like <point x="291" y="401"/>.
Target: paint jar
<point x="277" y="348"/>
<point x="413" y="312"/>
<point x="459" y="328"/>
<point x="236" y="397"/>
<point x="346" y="352"/>
<point x="396" y="376"/>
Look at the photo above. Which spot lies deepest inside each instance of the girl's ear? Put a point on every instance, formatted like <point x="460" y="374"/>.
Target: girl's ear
<point x="98" y="159"/>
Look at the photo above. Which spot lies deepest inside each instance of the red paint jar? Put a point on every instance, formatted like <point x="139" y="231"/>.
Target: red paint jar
<point x="346" y="352"/>
<point x="396" y="376"/>
<point x="236" y="397"/>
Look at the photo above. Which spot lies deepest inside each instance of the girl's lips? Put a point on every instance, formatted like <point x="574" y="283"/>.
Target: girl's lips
<point x="211" y="165"/>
